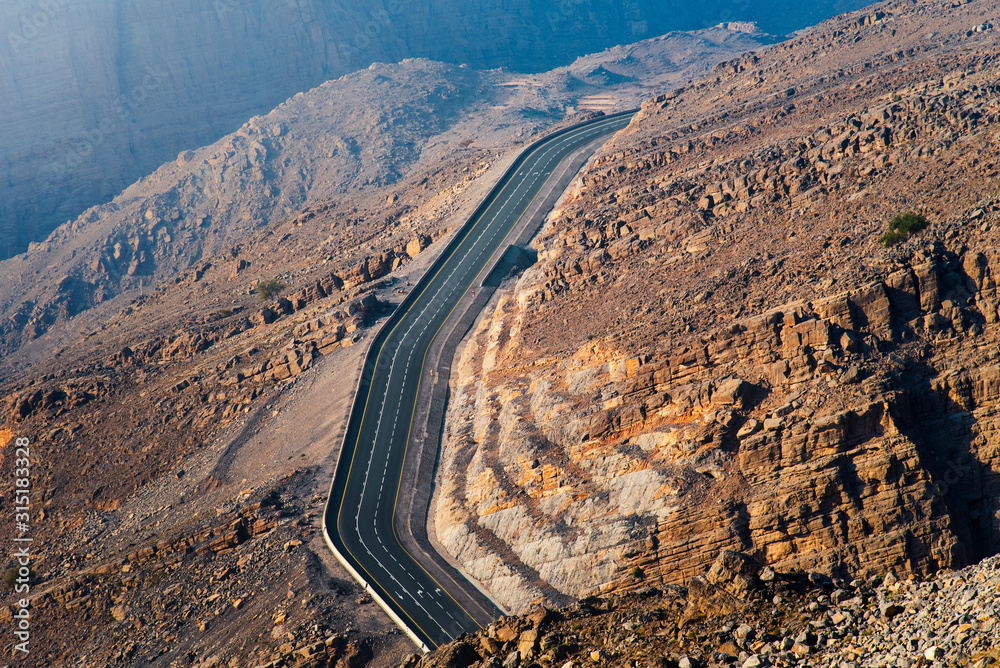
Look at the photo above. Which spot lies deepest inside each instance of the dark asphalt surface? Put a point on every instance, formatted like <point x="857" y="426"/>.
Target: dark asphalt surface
<point x="358" y="518"/>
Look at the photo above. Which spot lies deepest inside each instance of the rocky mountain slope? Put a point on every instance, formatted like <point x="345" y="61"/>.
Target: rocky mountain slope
<point x="185" y="430"/>
<point x="715" y="351"/>
<point x="95" y="95"/>
<point x="739" y="614"/>
<point x="360" y="133"/>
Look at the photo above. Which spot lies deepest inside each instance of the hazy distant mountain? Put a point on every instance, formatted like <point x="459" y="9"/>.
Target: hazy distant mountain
<point x="345" y="139"/>
<point x="95" y="94"/>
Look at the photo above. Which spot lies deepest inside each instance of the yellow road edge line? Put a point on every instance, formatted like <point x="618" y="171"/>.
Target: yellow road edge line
<point x="419" y="384"/>
<point x="340" y="508"/>
<point x="354" y="452"/>
<point x="409" y="430"/>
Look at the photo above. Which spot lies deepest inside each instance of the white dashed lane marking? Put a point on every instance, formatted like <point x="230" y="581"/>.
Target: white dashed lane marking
<point x="462" y="273"/>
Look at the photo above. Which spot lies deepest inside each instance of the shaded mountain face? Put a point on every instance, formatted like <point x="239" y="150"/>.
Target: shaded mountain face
<point x="94" y="95"/>
<point x="339" y="141"/>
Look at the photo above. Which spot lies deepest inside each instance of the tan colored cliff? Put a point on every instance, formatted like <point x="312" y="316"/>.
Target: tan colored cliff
<point x="714" y="350"/>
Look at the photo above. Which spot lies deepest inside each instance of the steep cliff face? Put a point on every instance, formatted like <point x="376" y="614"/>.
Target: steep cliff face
<point x="715" y="350"/>
<point x="94" y="95"/>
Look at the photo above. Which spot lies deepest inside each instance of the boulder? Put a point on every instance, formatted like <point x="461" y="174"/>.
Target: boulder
<point x="527" y="643"/>
<point x="417" y="246"/>
<point x="459" y="654"/>
<point x="731" y="392"/>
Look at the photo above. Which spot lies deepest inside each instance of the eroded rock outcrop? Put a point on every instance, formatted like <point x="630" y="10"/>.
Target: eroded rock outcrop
<point x="715" y="352"/>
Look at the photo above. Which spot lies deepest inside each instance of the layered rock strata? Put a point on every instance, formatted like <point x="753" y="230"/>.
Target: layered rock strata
<point x="716" y="352"/>
<point x="738" y="614"/>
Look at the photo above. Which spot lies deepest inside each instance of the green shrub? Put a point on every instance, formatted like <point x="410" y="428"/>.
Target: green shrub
<point x="902" y="227"/>
<point x="269" y="288"/>
<point x="637" y="573"/>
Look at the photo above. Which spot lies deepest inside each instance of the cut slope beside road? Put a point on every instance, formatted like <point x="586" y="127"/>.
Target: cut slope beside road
<point x="359" y="517"/>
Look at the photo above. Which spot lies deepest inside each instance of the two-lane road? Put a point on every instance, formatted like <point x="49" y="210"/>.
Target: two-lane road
<point x="359" y="516"/>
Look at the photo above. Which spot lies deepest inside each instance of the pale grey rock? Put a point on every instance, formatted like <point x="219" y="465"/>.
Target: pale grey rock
<point x="95" y="94"/>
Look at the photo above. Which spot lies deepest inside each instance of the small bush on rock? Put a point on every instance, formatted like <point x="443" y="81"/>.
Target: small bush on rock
<point x="902" y="227"/>
<point x="269" y="288"/>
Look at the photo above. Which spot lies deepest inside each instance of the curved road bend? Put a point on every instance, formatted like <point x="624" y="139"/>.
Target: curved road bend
<point x="358" y="519"/>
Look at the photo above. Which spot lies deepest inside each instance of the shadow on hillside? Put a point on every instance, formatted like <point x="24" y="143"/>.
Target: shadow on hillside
<point x="943" y="432"/>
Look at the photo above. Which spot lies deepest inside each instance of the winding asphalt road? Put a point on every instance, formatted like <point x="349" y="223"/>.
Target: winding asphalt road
<point x="358" y="521"/>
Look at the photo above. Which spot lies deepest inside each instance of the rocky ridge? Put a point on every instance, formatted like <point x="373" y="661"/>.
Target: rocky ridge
<point x="208" y="200"/>
<point x="739" y="614"/>
<point x="95" y="96"/>
<point x="165" y="509"/>
<point x="189" y="382"/>
<point x="715" y="352"/>
<point x="357" y="137"/>
<point x="211" y="396"/>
